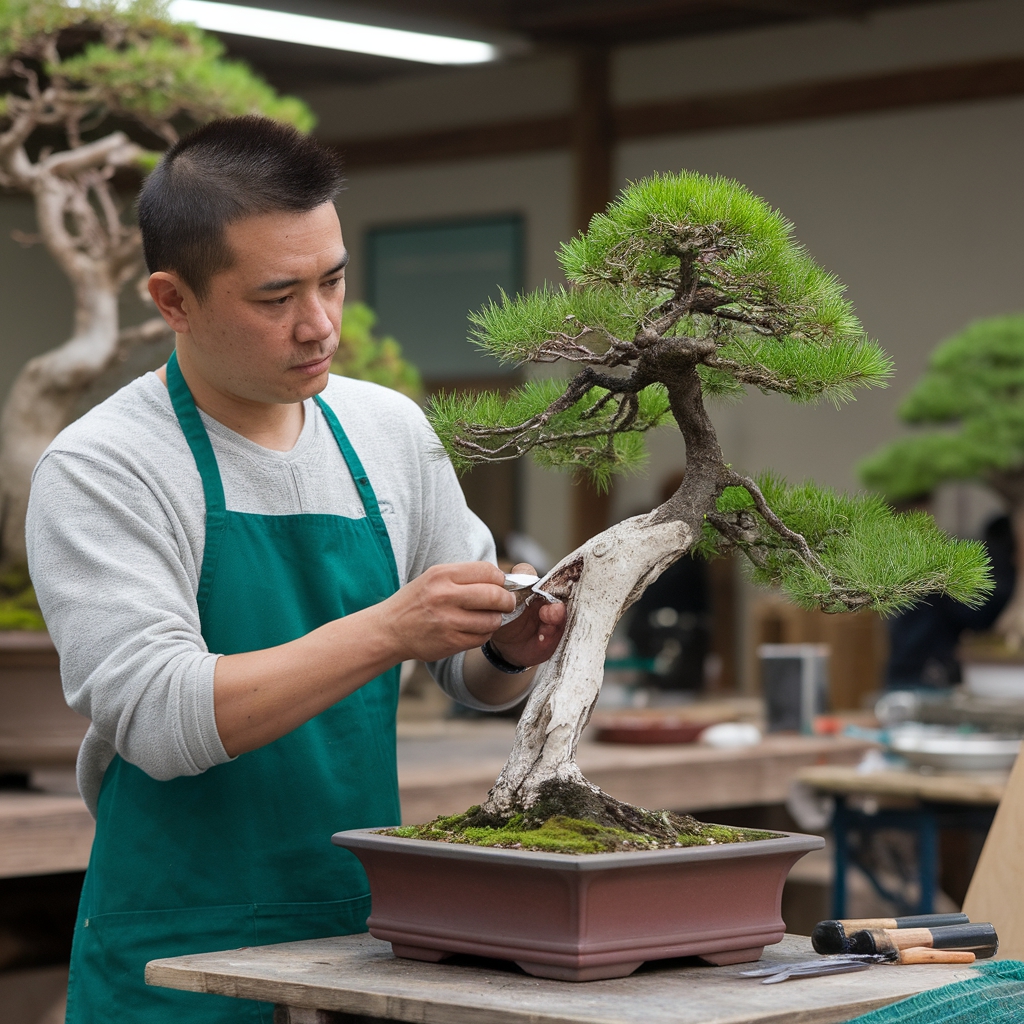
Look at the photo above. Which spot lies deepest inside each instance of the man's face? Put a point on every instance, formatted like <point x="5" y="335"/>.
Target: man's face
<point x="268" y="327"/>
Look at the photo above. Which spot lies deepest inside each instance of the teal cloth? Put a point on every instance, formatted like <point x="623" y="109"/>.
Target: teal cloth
<point x="994" y="996"/>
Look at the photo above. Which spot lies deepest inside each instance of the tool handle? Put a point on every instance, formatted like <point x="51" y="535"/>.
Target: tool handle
<point x="909" y="938"/>
<point x="927" y="921"/>
<point x="924" y="955"/>
<point x="979" y="936"/>
<point x="913" y="921"/>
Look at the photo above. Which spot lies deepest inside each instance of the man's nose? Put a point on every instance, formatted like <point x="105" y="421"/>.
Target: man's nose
<point x="313" y="323"/>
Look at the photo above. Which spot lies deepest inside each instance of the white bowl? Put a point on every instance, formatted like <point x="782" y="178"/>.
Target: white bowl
<point x="991" y="679"/>
<point x="936" y="747"/>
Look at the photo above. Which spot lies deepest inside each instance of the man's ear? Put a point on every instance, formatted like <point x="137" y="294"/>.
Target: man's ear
<point x="172" y="297"/>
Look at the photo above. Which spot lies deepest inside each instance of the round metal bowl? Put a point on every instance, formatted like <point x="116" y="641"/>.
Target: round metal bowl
<point x="955" y="751"/>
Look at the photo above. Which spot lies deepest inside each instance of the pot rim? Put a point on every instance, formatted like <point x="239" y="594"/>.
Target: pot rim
<point x="371" y="838"/>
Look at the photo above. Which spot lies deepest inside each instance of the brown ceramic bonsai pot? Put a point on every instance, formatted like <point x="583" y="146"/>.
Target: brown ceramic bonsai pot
<point x="37" y="728"/>
<point x="577" y="917"/>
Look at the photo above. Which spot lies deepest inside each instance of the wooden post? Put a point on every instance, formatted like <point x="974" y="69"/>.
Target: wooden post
<point x="592" y="152"/>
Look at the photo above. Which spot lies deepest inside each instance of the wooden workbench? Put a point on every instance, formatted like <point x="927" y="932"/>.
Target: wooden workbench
<point x="907" y="784"/>
<point x="358" y="975"/>
<point x="445" y="767"/>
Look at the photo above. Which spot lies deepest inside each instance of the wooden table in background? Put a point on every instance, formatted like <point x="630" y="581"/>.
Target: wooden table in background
<point x="917" y="802"/>
<point x="43" y="834"/>
<point x="445" y="767"/>
<point x="348" y="979"/>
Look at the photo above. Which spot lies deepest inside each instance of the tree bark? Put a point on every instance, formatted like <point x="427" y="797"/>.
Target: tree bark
<point x="599" y="581"/>
<point x="46" y="391"/>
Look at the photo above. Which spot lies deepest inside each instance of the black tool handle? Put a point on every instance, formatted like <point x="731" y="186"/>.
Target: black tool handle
<point x="931" y="920"/>
<point x="980" y="937"/>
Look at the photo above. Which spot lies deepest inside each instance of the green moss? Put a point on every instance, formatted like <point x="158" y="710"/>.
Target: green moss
<point x="561" y="834"/>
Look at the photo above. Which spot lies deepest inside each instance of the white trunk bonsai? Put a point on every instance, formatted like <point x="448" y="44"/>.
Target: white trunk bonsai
<point x="687" y="287"/>
<point x="91" y="88"/>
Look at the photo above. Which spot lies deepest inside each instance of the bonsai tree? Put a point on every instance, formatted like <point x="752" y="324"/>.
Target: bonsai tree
<point x="91" y="88"/>
<point x="971" y="394"/>
<point x="688" y="288"/>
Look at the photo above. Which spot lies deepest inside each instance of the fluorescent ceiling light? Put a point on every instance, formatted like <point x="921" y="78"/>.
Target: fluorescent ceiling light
<point x="335" y="35"/>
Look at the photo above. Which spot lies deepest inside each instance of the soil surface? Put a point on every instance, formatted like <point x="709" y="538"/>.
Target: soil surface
<point x="562" y="834"/>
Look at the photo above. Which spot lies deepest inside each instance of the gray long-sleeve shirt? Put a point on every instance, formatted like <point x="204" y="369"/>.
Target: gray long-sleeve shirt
<point x="116" y="529"/>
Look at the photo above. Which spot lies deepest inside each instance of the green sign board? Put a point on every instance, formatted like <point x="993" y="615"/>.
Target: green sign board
<point x="423" y="280"/>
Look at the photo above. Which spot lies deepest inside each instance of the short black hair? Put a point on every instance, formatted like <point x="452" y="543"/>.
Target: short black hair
<point x="229" y="169"/>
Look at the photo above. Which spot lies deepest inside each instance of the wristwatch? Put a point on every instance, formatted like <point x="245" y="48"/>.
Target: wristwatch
<point x="492" y="655"/>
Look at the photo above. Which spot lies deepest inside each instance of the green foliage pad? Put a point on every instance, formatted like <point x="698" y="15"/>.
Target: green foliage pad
<point x="972" y="395"/>
<point x="867" y="553"/>
<point x="561" y="834"/>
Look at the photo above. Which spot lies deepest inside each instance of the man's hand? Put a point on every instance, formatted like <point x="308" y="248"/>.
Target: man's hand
<point x="533" y="637"/>
<point x="450" y="608"/>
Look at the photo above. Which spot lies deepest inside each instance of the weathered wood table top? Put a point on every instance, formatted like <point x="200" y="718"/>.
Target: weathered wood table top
<point x="445" y="767"/>
<point x="358" y="975"/>
<point x="940" y="787"/>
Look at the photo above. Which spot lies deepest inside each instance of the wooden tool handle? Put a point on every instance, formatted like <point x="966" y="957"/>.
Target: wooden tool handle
<point x="907" y="938"/>
<point x="857" y="924"/>
<point x="924" y="955"/>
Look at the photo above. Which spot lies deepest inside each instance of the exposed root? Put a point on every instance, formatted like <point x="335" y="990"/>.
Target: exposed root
<point x="572" y="818"/>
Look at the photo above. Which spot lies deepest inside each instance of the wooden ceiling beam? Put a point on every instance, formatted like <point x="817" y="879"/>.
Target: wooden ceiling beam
<point x="789" y="103"/>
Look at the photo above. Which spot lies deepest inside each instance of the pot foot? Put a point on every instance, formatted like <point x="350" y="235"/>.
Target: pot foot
<point x="420" y="953"/>
<point x="597" y="973"/>
<point x="733" y="956"/>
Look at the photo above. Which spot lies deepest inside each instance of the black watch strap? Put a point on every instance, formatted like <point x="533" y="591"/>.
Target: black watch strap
<point x="491" y="654"/>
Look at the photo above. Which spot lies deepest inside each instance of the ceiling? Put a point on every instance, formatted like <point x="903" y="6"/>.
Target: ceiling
<point x="519" y="26"/>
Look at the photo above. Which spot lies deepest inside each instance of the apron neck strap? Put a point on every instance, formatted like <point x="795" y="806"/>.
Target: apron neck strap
<point x="195" y="433"/>
<point x="362" y="482"/>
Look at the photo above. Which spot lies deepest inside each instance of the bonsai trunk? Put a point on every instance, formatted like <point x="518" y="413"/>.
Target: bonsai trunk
<point x="599" y="581"/>
<point x="44" y="394"/>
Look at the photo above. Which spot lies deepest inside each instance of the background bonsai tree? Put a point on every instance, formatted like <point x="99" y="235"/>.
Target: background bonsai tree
<point x="90" y="89"/>
<point x="971" y="391"/>
<point x="362" y="355"/>
<point x="687" y="287"/>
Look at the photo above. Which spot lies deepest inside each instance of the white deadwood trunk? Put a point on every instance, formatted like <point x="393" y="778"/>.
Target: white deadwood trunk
<point x="44" y="395"/>
<point x="79" y="222"/>
<point x="614" y="569"/>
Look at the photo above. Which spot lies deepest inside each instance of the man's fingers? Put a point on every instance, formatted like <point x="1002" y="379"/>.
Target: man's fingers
<point x="471" y="572"/>
<point x="524" y="569"/>
<point x="483" y="597"/>
<point x="552" y="614"/>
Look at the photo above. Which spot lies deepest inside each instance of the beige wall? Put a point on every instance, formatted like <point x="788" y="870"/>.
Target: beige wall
<point x="917" y="211"/>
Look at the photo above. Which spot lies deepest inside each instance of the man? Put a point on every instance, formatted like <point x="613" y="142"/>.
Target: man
<point x="233" y="555"/>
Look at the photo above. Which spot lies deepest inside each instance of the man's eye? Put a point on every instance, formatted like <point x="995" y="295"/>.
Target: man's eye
<point x="334" y="281"/>
<point x="278" y="302"/>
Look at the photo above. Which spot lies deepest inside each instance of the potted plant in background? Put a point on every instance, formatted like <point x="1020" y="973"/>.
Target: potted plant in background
<point x="688" y="287"/>
<point x="91" y="90"/>
<point x="970" y="396"/>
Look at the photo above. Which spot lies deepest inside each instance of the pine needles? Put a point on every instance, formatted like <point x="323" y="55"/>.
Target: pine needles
<point x="973" y="392"/>
<point x="868" y="555"/>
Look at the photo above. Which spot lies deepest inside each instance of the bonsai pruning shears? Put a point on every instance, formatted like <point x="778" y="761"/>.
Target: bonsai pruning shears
<point x="524" y="587"/>
<point x="844" y="963"/>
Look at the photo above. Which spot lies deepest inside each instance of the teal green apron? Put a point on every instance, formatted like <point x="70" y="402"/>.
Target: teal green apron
<point x="241" y="855"/>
